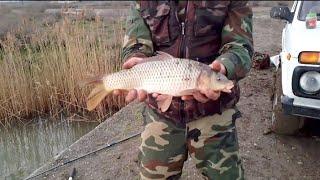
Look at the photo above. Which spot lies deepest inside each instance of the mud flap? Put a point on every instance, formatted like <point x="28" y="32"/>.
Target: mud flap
<point x="275" y="60"/>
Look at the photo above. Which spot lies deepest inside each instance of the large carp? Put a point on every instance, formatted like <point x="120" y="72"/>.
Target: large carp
<point x="161" y="74"/>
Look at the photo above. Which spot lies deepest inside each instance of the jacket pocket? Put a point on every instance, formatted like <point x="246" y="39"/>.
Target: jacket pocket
<point x="158" y="21"/>
<point x="210" y="17"/>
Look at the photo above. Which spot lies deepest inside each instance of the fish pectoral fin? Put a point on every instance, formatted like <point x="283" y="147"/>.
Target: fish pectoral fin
<point x="164" y="102"/>
<point x="187" y="92"/>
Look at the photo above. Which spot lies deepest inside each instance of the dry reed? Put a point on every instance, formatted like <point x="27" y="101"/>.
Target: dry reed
<point x="42" y="66"/>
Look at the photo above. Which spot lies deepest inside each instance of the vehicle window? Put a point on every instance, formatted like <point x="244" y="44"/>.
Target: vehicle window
<point x="307" y="7"/>
<point x="294" y="7"/>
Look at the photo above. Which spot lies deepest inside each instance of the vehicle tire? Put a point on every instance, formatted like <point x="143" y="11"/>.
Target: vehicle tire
<point x="282" y="123"/>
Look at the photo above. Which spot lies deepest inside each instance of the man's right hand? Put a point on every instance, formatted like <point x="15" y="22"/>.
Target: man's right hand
<point x="132" y="94"/>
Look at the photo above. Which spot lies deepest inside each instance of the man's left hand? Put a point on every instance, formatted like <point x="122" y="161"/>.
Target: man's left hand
<point x="205" y="95"/>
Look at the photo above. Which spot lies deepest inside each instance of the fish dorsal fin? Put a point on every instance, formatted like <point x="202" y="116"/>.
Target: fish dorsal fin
<point x="164" y="102"/>
<point x="164" y="55"/>
<point x="159" y="56"/>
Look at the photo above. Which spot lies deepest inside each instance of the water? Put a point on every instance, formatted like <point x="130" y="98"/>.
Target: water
<point x="25" y="148"/>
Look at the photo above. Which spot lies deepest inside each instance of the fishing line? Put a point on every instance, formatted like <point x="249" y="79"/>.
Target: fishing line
<point x="87" y="154"/>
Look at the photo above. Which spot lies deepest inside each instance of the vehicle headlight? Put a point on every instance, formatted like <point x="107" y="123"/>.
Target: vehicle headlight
<point x="310" y="82"/>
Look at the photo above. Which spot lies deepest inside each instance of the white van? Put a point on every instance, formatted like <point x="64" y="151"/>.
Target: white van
<point x="297" y="81"/>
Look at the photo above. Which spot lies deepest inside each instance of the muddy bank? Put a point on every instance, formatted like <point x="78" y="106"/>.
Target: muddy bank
<point x="118" y="161"/>
<point x="264" y="156"/>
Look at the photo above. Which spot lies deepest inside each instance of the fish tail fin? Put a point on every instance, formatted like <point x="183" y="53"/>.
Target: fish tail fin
<point x="97" y="95"/>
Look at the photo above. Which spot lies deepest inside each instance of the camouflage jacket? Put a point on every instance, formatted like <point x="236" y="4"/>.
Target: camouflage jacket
<point x="200" y="30"/>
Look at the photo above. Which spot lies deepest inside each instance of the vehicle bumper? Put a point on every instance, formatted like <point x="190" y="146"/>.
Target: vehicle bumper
<point x="289" y="108"/>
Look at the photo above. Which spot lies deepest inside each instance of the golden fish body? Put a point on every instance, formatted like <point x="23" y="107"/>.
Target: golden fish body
<point x="164" y="75"/>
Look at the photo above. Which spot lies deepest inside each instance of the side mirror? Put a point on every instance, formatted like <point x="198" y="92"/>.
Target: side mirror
<point x="281" y="12"/>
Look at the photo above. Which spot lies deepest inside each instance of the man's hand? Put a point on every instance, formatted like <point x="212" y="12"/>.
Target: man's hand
<point x="132" y="62"/>
<point x="132" y="94"/>
<point x="205" y="95"/>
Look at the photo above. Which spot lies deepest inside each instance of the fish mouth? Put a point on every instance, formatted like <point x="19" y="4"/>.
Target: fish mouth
<point x="228" y="87"/>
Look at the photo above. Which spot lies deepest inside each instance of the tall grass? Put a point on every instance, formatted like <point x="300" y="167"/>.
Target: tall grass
<point x="41" y="68"/>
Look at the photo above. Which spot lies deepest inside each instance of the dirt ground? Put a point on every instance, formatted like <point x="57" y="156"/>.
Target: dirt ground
<point x="264" y="156"/>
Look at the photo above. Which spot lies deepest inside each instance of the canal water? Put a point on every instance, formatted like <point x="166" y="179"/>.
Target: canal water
<point x="24" y="148"/>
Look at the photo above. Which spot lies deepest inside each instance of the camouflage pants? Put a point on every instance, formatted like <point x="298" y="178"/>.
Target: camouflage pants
<point x="211" y="142"/>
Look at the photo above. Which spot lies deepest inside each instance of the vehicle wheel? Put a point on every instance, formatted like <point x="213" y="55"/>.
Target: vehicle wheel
<point x="282" y="123"/>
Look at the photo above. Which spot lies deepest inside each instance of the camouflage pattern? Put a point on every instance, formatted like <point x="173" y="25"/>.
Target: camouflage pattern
<point x="237" y="42"/>
<point x="214" y="30"/>
<point x="211" y="142"/>
<point x="137" y="40"/>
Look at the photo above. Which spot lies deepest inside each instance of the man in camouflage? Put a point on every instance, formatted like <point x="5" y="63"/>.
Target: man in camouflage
<point x="218" y="33"/>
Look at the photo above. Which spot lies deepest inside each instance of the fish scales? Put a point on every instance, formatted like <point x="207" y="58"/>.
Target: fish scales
<point x="170" y="76"/>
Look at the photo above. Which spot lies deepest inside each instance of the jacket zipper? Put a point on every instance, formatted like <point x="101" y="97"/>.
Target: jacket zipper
<point x="183" y="33"/>
<point x="182" y="45"/>
<point x="183" y="55"/>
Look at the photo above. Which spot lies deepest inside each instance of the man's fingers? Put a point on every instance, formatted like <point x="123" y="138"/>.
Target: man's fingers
<point x="132" y="95"/>
<point x="131" y="62"/>
<point x="119" y="92"/>
<point x="200" y="97"/>
<point x="187" y="97"/>
<point x="116" y="92"/>
<point x="142" y="95"/>
<point x="155" y="95"/>
<point x="161" y="97"/>
<point x="216" y="66"/>
<point x="214" y="95"/>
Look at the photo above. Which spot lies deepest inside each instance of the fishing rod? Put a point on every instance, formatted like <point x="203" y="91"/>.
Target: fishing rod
<point x="87" y="154"/>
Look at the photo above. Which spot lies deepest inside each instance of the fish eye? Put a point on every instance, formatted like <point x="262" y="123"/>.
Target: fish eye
<point x="219" y="78"/>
